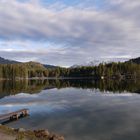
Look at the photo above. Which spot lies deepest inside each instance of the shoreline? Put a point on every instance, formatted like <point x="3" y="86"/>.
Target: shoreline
<point x="66" y="78"/>
<point x="47" y="78"/>
<point x="8" y="133"/>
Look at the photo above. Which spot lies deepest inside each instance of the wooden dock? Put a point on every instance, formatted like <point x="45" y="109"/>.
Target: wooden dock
<point x="15" y="115"/>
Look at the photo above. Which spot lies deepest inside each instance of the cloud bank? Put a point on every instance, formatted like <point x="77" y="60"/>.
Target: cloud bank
<point x="66" y="34"/>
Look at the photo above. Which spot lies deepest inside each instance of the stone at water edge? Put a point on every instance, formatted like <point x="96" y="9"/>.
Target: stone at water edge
<point x="41" y="133"/>
<point x="21" y="130"/>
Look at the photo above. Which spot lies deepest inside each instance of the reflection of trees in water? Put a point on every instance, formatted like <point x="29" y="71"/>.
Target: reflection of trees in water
<point x="35" y="86"/>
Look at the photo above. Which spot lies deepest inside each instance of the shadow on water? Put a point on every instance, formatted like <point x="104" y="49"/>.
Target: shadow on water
<point x="36" y="86"/>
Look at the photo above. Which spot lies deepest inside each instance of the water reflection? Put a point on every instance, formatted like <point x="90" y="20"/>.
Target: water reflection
<point x="79" y="114"/>
<point x="77" y="109"/>
<point x="35" y="86"/>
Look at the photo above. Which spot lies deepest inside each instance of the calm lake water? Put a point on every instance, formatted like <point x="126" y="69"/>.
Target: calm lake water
<point x="76" y="109"/>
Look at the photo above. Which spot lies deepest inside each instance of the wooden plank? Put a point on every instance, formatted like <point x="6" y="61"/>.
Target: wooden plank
<point x="8" y="115"/>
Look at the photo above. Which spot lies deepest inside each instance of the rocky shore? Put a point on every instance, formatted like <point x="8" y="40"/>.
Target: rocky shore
<point x="7" y="133"/>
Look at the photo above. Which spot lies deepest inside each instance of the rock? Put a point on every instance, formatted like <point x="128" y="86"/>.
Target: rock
<point x="56" y="137"/>
<point x="61" y="138"/>
<point x="46" y="134"/>
<point x="37" y="134"/>
<point x="21" y="130"/>
<point x="41" y="133"/>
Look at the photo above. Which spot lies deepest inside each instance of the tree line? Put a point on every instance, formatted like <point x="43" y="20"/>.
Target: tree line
<point x="126" y="70"/>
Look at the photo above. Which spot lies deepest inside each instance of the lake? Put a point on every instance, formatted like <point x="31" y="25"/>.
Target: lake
<point x="77" y="109"/>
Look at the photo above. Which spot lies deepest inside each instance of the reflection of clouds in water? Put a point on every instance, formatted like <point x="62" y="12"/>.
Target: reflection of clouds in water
<point x="106" y="122"/>
<point x="61" y="99"/>
<point x="44" y="98"/>
<point x="86" y="124"/>
<point x="79" y="114"/>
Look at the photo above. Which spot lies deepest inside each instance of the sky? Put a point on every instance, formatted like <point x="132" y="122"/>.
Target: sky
<point x="68" y="32"/>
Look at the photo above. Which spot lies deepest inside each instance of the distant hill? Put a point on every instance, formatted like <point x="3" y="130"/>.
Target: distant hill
<point x="30" y="64"/>
<point x="49" y="66"/>
<point x="97" y="62"/>
<point x="34" y="65"/>
<point x="135" y="60"/>
<point x="7" y="61"/>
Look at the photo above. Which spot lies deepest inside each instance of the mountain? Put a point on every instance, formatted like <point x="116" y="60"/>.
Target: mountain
<point x="34" y="65"/>
<point x="49" y="66"/>
<point x="30" y="64"/>
<point x="135" y="60"/>
<point x="91" y="63"/>
<point x="37" y="65"/>
<point x="106" y="61"/>
<point x="7" y="61"/>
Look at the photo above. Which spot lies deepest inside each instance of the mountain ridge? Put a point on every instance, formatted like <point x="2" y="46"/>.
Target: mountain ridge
<point x="31" y="63"/>
<point x="97" y="62"/>
<point x="135" y="60"/>
<point x="7" y="61"/>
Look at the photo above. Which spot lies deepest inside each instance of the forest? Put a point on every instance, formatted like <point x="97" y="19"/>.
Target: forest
<point x="120" y="70"/>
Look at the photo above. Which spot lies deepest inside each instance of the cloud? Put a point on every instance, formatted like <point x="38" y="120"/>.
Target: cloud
<point x="89" y="30"/>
